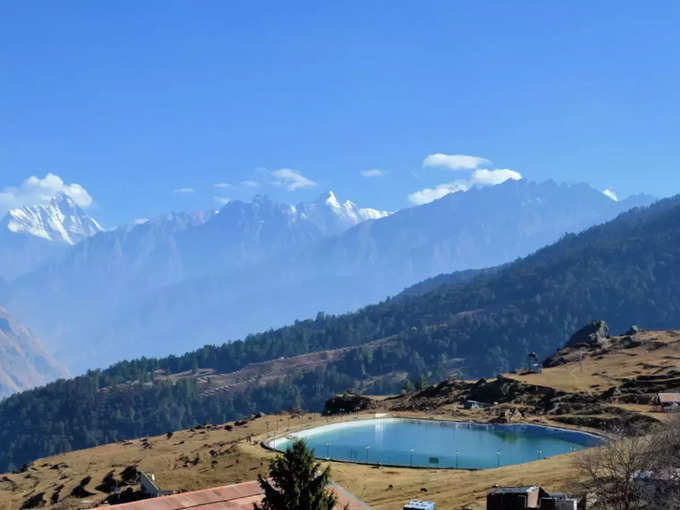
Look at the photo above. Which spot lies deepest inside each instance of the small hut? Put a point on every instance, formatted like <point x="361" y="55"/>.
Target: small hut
<point x="668" y="402"/>
<point x="417" y="504"/>
<point x="515" y="498"/>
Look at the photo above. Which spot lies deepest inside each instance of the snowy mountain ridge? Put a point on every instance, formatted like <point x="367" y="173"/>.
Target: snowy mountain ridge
<point x="333" y="217"/>
<point x="327" y="214"/>
<point x="59" y="221"/>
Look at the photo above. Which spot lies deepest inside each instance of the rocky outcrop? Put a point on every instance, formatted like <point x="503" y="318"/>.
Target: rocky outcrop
<point x="592" y="337"/>
<point x="451" y="391"/>
<point x="634" y="330"/>
<point x="593" y="340"/>
<point x="348" y="403"/>
<point x="503" y="389"/>
<point x="513" y="415"/>
<point x="499" y="391"/>
<point x="592" y="334"/>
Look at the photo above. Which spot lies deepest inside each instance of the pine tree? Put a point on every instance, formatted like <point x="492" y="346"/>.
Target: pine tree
<point x="296" y="482"/>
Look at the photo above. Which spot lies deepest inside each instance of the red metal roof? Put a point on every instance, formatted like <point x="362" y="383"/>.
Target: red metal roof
<point x="239" y="496"/>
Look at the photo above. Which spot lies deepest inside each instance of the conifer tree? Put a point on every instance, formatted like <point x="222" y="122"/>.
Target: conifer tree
<point x="297" y="482"/>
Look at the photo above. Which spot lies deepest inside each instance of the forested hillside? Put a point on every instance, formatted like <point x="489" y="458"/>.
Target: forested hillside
<point x="624" y="272"/>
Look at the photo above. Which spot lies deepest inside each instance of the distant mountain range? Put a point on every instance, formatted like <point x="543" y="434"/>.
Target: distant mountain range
<point x="74" y="292"/>
<point x="180" y="281"/>
<point x="481" y="323"/>
<point x="479" y="228"/>
<point x="24" y="361"/>
<point x="32" y="235"/>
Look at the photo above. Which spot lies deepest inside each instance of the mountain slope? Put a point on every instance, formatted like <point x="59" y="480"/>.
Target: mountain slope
<point x="623" y="271"/>
<point x="31" y="235"/>
<point x="364" y="264"/>
<point x="480" y="228"/>
<point x="24" y="362"/>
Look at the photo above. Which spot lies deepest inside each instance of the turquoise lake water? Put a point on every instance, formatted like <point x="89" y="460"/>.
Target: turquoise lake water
<point x="438" y="444"/>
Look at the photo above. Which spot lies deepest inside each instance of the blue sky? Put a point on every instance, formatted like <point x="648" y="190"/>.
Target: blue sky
<point x="134" y="101"/>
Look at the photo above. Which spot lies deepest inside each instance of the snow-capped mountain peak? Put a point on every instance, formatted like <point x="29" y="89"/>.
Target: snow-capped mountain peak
<point x="61" y="220"/>
<point x="331" y="200"/>
<point x="332" y="216"/>
<point x="327" y="215"/>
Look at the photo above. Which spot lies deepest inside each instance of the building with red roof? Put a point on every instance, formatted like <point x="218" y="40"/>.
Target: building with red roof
<point x="240" y="496"/>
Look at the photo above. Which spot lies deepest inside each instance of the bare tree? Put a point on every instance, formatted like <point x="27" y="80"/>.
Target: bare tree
<point x="608" y="473"/>
<point x="632" y="472"/>
<point x="662" y="487"/>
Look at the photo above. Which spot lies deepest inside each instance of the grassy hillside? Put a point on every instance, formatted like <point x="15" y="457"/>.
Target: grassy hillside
<point x="623" y="271"/>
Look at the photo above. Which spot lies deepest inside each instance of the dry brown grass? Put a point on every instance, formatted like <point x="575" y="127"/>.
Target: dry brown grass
<point x="600" y="373"/>
<point x="183" y="462"/>
<point x="237" y="459"/>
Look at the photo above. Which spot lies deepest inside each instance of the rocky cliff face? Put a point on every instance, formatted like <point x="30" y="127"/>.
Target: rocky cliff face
<point x="594" y="333"/>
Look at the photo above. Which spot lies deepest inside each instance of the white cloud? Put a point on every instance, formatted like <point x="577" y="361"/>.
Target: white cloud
<point x="221" y="185"/>
<point x="184" y="190"/>
<point x="485" y="177"/>
<point x="250" y="184"/>
<point x="455" y="161"/>
<point x="35" y="191"/>
<point x="140" y="221"/>
<point x="291" y="179"/>
<point x="481" y="177"/>
<point x="611" y="194"/>
<point x="427" y="195"/>
<point x="222" y="200"/>
<point x="373" y="172"/>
